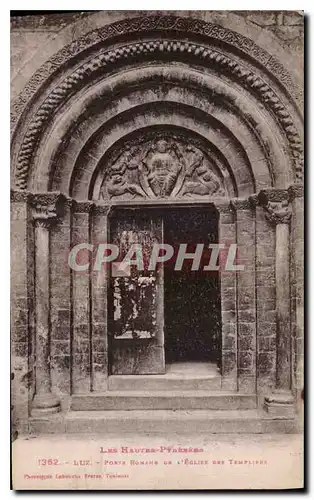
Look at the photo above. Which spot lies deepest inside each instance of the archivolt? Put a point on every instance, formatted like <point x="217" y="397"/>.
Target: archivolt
<point x="213" y="103"/>
<point x="175" y="49"/>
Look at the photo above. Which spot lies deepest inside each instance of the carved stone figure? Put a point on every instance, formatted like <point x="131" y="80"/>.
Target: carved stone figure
<point x="163" y="167"/>
<point x="159" y="168"/>
<point x="207" y="182"/>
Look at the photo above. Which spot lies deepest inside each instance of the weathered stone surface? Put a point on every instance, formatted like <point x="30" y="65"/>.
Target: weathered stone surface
<point x="154" y="110"/>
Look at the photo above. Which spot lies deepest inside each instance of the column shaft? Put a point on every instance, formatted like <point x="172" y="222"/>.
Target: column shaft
<point x="44" y="400"/>
<point x="283" y="307"/>
<point x="45" y="212"/>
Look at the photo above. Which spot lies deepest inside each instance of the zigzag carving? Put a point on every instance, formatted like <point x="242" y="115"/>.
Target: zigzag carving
<point x="226" y="64"/>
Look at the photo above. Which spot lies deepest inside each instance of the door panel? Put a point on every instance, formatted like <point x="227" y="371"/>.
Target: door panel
<point x="136" y="329"/>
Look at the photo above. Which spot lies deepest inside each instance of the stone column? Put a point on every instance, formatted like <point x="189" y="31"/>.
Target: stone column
<point x="22" y="320"/>
<point x="45" y="208"/>
<point x="296" y="195"/>
<point x="81" y="301"/>
<point x="277" y="211"/>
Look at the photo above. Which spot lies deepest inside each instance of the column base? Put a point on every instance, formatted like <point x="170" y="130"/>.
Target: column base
<point x="45" y="404"/>
<point x="280" y="404"/>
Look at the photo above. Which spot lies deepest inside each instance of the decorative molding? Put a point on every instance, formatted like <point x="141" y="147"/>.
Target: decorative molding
<point x="278" y="213"/>
<point x="19" y="196"/>
<point x="272" y="194"/>
<point x="82" y="207"/>
<point x="144" y="25"/>
<point x="102" y="61"/>
<point x="102" y="209"/>
<point x="276" y="205"/>
<point x="160" y="167"/>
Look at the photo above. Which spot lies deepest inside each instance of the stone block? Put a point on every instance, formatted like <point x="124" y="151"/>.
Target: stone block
<point x="229" y="342"/>
<point x="247" y="315"/>
<point x="60" y="348"/>
<point x="20" y="349"/>
<point x="266" y="363"/>
<point x="264" y="304"/>
<point x="228" y="298"/>
<point x="246" y="384"/>
<point x="265" y="276"/>
<point x="265" y="316"/>
<point x="293" y="18"/>
<point x="99" y="344"/>
<point x="246" y="336"/>
<point x="80" y="332"/>
<point x="266" y="344"/>
<point x="228" y="317"/>
<point x="19" y="334"/>
<point x="228" y="362"/>
<point x="263" y="18"/>
<point x="246" y="298"/>
<point x="81" y="346"/>
<point x="266" y="292"/>
<point x="245" y="361"/>
<point x="280" y="405"/>
<point x="245" y="280"/>
<point x="61" y="373"/>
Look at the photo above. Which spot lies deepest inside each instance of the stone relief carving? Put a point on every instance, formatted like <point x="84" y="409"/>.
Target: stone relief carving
<point x="276" y="204"/>
<point x="278" y="212"/>
<point x="160" y="168"/>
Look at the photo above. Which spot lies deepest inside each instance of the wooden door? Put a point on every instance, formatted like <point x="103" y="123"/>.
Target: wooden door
<point x="136" y="319"/>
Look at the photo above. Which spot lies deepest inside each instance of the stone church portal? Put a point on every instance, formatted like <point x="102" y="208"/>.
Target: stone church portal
<point x="148" y="128"/>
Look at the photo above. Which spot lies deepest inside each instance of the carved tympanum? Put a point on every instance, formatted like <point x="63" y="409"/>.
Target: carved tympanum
<point x="159" y="168"/>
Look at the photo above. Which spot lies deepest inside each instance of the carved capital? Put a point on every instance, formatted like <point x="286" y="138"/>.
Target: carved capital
<point x="272" y="194"/>
<point x="276" y="205"/>
<point x="47" y="207"/>
<point x="278" y="212"/>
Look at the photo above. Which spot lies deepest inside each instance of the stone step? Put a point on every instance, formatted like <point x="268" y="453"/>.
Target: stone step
<point x="167" y="382"/>
<point x="198" y="422"/>
<point x="163" y="400"/>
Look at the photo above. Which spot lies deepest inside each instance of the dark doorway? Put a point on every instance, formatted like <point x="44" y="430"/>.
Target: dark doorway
<point x="191" y="298"/>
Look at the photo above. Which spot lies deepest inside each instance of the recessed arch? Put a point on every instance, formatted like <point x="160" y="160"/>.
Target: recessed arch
<point x="211" y="57"/>
<point x="253" y="120"/>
